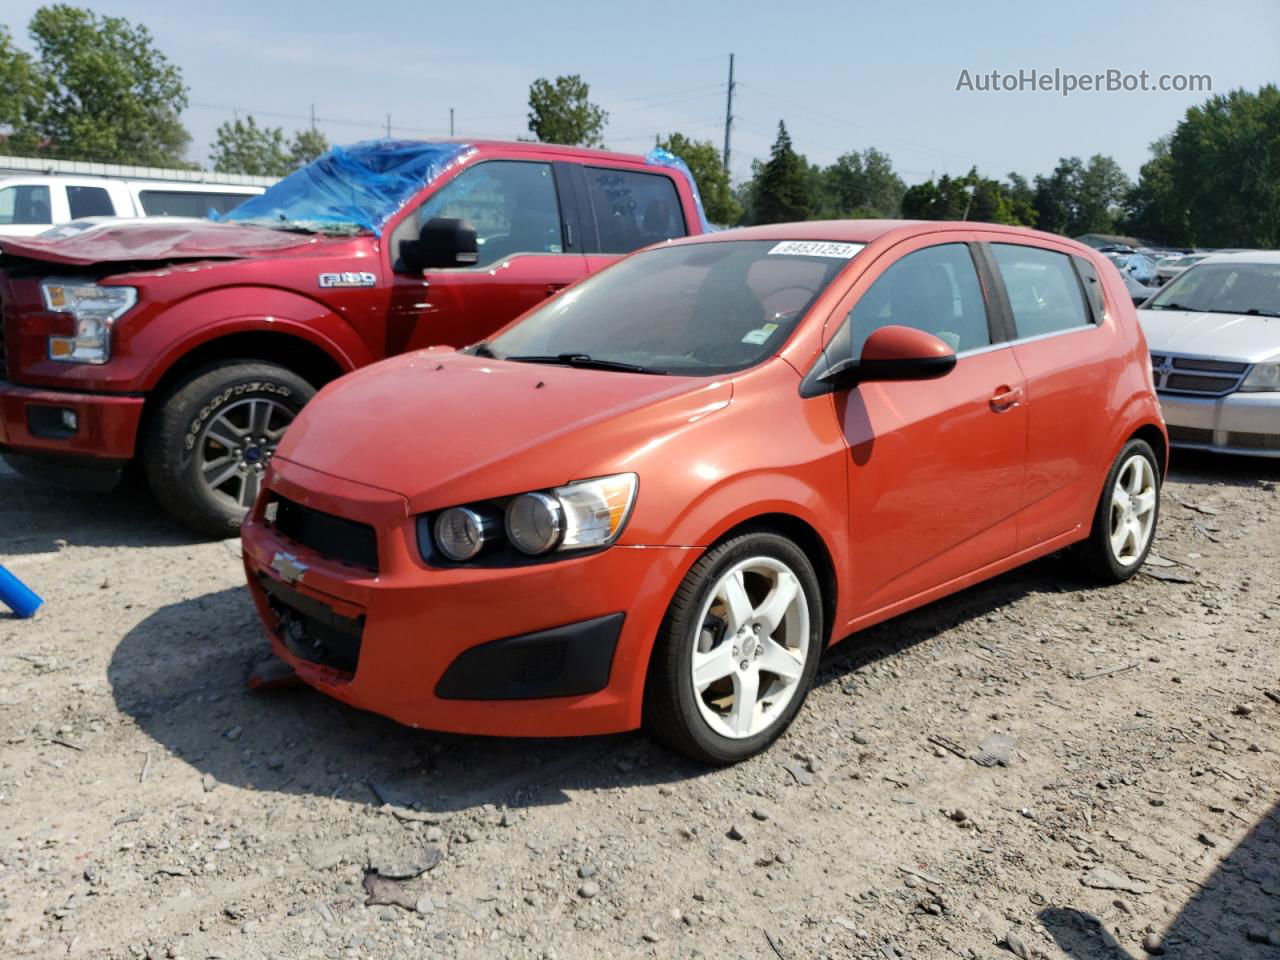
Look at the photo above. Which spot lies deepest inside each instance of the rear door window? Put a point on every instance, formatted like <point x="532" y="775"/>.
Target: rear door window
<point x="1043" y="288"/>
<point x="633" y="210"/>
<point x="188" y="203"/>
<point x="25" y="204"/>
<point x="89" y="202"/>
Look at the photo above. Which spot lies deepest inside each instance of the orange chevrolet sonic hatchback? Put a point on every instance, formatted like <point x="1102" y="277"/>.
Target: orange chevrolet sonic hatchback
<point x="654" y="499"/>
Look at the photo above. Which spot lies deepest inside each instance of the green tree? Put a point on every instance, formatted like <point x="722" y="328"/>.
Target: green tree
<point x="1224" y="170"/>
<point x="559" y="112"/>
<point x="861" y="185"/>
<point x="107" y="93"/>
<point x="1152" y="208"/>
<point x="20" y="95"/>
<point x="704" y="162"/>
<point x="1081" y="197"/>
<point x="307" y="145"/>
<point x="783" y="187"/>
<point x="241" y="146"/>
<point x="971" y="197"/>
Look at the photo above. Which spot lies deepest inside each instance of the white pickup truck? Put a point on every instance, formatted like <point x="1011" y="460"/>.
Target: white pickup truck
<point x="31" y="204"/>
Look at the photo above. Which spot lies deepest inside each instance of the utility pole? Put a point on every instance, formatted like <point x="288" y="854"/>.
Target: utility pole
<point x="388" y="126"/>
<point x="728" y="116"/>
<point x="451" y="121"/>
<point x="313" y="118"/>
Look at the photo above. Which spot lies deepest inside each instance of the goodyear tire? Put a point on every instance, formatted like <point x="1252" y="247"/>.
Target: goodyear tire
<point x="207" y="447"/>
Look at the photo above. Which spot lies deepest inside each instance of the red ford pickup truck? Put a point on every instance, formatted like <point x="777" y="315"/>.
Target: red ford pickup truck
<point x="190" y="347"/>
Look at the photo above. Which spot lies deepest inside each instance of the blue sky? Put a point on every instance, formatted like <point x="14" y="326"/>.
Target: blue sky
<point x="844" y="75"/>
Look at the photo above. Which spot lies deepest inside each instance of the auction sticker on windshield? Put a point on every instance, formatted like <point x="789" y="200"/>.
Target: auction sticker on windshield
<point x="817" y="248"/>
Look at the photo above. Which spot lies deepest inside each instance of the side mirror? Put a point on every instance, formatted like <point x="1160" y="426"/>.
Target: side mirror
<point x="895" y="353"/>
<point x="443" y="242"/>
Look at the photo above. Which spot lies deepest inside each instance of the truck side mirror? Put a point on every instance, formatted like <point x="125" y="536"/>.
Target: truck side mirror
<point x="443" y="242"/>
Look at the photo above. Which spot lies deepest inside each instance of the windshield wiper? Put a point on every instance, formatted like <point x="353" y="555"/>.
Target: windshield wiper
<point x="586" y="362"/>
<point x="1261" y="312"/>
<point x="1170" y="306"/>
<point x="480" y="349"/>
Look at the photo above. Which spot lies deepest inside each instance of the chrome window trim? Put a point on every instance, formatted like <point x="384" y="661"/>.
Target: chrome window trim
<point x="1021" y="340"/>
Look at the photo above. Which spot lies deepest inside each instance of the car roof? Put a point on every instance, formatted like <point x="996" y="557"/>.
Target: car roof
<point x="1247" y="256"/>
<point x="533" y="146"/>
<point x="865" y="231"/>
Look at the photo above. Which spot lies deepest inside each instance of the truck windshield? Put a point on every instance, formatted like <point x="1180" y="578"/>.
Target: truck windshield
<point x="696" y="309"/>
<point x="352" y="189"/>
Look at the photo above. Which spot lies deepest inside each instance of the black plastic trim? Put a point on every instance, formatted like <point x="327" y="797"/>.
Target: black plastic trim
<point x="313" y="630"/>
<point x="999" y="313"/>
<point x="568" y="661"/>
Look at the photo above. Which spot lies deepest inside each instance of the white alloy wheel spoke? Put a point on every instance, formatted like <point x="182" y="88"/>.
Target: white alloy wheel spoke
<point x="746" y="695"/>
<point x="1120" y="498"/>
<point x="712" y="666"/>
<point x="779" y="600"/>
<point x="778" y="660"/>
<point x="1144" y="502"/>
<point x="738" y="605"/>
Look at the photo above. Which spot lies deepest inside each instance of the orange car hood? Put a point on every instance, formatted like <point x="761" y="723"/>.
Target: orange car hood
<point x="442" y="428"/>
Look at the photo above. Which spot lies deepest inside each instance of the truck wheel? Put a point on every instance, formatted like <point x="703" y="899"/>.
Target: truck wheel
<point x="737" y="651"/>
<point x="208" y="446"/>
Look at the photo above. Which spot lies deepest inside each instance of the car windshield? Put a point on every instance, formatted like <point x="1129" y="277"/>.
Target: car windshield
<point x="1250" y="288"/>
<point x="696" y="309"/>
<point x="352" y="189"/>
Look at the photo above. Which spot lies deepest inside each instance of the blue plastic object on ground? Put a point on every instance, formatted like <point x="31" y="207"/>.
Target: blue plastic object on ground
<point x="17" y="596"/>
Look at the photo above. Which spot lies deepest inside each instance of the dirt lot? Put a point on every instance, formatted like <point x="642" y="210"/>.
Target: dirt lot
<point x="151" y="806"/>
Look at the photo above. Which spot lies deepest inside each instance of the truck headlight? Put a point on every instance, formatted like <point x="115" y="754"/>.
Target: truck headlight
<point x="1263" y="378"/>
<point x="94" y="308"/>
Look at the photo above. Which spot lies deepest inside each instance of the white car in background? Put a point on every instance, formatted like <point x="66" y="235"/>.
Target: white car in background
<point x="1170" y="267"/>
<point x="1214" y="336"/>
<point x="31" y="204"/>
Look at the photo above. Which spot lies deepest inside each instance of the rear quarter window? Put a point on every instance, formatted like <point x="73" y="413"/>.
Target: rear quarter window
<point x="633" y="210"/>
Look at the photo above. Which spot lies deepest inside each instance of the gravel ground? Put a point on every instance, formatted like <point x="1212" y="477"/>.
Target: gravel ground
<point x="150" y="806"/>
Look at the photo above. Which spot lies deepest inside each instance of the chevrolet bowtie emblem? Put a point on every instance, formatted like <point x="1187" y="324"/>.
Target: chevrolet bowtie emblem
<point x="287" y="565"/>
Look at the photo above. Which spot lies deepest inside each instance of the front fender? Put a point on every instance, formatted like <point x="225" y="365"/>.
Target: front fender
<point x="154" y="346"/>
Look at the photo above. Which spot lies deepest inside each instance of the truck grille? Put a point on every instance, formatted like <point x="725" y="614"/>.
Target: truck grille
<point x="336" y="538"/>
<point x="1198" y="376"/>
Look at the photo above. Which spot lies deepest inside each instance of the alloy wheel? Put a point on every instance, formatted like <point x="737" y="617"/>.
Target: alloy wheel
<point x="1133" y="510"/>
<point x="751" y="647"/>
<point x="237" y="445"/>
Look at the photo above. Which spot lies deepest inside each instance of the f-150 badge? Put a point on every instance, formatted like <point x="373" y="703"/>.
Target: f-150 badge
<point x="348" y="280"/>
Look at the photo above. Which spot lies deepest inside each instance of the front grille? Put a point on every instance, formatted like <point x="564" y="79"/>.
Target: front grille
<point x="1255" y="441"/>
<point x="1190" y="435"/>
<point x="333" y="537"/>
<point x="313" y="630"/>
<point x="1199" y="376"/>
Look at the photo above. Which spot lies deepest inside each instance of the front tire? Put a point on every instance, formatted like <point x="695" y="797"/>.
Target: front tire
<point x="1124" y="525"/>
<point x="737" y="651"/>
<point x="208" y="446"/>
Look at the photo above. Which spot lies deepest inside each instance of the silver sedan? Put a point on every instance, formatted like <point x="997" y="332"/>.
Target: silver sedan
<point x="1214" y="336"/>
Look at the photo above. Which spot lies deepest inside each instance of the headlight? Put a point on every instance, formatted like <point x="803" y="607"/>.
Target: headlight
<point x="535" y="523"/>
<point x="461" y="533"/>
<point x="578" y="516"/>
<point x="94" y="308"/>
<point x="1264" y="377"/>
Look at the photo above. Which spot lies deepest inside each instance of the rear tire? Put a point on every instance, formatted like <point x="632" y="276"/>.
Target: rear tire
<point x="1124" y="524"/>
<point x="748" y="605"/>
<point x="207" y="447"/>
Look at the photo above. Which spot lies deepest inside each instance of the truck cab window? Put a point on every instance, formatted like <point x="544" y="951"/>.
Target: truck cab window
<point x="25" y="205"/>
<point x="511" y="203"/>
